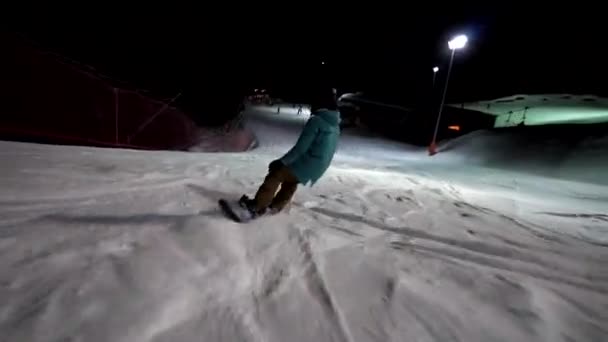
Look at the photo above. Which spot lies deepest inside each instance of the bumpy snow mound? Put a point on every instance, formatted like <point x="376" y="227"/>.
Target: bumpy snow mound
<point x="583" y="160"/>
<point x="218" y="140"/>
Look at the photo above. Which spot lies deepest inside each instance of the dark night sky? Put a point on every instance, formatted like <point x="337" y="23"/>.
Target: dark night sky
<point x="382" y="50"/>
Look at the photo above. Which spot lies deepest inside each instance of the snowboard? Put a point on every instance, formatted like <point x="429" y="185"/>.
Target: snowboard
<point x="235" y="211"/>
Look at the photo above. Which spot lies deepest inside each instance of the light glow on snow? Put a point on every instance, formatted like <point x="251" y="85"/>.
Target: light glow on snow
<point x="543" y="109"/>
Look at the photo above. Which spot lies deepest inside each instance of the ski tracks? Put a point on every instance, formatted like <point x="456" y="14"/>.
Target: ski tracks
<point x="317" y="286"/>
<point x="288" y="262"/>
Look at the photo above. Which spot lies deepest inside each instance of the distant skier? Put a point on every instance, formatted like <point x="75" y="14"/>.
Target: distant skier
<point x="306" y="162"/>
<point x="299" y="109"/>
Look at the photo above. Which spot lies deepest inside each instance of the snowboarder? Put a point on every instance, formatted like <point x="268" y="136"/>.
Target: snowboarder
<point x="306" y="162"/>
<point x="299" y="109"/>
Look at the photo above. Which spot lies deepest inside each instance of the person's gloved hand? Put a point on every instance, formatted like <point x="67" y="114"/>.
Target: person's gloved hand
<point x="275" y="165"/>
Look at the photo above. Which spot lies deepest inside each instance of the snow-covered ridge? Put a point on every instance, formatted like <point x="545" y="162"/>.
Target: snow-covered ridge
<point x="585" y="160"/>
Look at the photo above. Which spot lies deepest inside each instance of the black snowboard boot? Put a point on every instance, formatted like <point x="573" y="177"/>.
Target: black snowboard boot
<point x="249" y="204"/>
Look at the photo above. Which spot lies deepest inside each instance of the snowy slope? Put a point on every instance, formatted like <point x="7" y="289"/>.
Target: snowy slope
<point x="585" y="161"/>
<point x="118" y="245"/>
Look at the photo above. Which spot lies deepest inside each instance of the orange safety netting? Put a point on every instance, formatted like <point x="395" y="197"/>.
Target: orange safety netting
<point x="47" y="99"/>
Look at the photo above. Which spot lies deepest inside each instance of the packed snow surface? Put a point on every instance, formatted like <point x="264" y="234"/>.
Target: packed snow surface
<point x="391" y="245"/>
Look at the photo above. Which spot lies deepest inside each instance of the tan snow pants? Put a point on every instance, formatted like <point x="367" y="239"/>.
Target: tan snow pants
<point x="268" y="197"/>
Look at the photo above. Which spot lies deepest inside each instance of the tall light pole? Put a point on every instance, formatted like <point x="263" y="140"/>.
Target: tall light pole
<point x="456" y="43"/>
<point x="435" y="70"/>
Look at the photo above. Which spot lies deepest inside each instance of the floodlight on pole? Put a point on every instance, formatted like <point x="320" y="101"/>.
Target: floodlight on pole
<point x="435" y="69"/>
<point x="456" y="43"/>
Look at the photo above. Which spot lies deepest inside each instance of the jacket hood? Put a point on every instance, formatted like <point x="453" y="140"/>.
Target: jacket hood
<point x="332" y="117"/>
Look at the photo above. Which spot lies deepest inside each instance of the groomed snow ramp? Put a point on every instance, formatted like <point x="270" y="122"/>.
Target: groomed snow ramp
<point x="47" y="98"/>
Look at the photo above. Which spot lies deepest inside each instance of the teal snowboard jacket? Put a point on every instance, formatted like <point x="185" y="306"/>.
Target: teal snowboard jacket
<point x="312" y="154"/>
